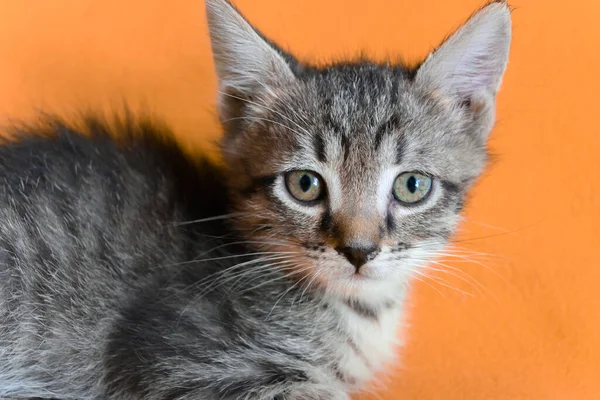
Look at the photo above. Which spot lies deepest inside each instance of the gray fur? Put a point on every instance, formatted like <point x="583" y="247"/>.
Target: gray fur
<point x="130" y="271"/>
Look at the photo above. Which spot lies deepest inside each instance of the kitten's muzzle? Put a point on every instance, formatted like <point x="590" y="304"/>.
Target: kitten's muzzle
<point x="358" y="256"/>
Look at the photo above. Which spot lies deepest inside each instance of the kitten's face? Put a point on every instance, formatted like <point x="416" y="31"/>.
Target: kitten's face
<point x="356" y="173"/>
<point x="355" y="170"/>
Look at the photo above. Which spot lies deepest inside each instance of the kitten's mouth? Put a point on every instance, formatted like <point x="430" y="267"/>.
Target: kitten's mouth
<point x="355" y="282"/>
<point x="357" y="276"/>
<point x="364" y="273"/>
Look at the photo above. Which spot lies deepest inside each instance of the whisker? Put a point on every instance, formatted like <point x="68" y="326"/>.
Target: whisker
<point x="215" y="276"/>
<point x="230" y="257"/>
<point x="498" y="234"/>
<point x="208" y="219"/>
<point x="470" y="280"/>
<point x="281" y="277"/>
<point x="272" y="269"/>
<point x="472" y="261"/>
<point x="263" y="242"/>
<point x="251" y="268"/>
<point x="297" y="271"/>
<point x="428" y="284"/>
<point x="442" y="282"/>
<point x="315" y="276"/>
<point x="213" y="286"/>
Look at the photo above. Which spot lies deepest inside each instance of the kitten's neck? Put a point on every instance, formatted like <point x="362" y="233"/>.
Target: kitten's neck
<point x="371" y="335"/>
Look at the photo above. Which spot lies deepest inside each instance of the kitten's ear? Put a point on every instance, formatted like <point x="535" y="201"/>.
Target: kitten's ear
<point x="469" y="65"/>
<point x="245" y="62"/>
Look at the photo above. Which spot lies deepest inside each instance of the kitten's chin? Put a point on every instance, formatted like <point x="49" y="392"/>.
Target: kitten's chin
<point x="366" y="283"/>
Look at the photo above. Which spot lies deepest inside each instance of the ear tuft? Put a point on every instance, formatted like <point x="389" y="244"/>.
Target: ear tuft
<point x="244" y="61"/>
<point x="469" y="65"/>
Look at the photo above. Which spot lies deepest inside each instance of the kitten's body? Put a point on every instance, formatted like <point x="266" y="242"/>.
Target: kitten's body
<point x="103" y="290"/>
<point x="130" y="271"/>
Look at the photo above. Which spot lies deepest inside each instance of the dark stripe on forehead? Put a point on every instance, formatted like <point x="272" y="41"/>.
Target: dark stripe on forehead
<point x="381" y="131"/>
<point x="319" y="144"/>
<point x="394" y="122"/>
<point x="400" y="148"/>
<point x="389" y="126"/>
<point x="345" y="143"/>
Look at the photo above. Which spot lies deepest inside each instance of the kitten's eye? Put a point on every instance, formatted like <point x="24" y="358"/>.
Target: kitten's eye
<point x="411" y="187"/>
<point x="304" y="185"/>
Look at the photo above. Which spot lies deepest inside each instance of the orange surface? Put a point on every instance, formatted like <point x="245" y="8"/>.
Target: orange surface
<point x="528" y="324"/>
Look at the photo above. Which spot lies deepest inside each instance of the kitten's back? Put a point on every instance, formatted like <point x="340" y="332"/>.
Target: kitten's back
<point x="84" y="220"/>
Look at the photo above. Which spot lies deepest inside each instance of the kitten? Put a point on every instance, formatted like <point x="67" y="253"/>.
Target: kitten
<point x="129" y="270"/>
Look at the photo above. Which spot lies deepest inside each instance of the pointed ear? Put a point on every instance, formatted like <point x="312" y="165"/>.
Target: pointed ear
<point x="468" y="67"/>
<point x="245" y="62"/>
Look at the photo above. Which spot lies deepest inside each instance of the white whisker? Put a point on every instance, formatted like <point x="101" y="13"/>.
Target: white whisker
<point x="208" y="219"/>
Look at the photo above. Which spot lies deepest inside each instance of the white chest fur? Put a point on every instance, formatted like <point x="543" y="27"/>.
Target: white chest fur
<point x="372" y="341"/>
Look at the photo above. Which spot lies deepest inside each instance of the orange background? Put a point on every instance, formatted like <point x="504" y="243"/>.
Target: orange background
<point x="521" y="321"/>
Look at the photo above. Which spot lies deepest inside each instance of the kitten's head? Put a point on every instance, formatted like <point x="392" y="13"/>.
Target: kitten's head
<point x="356" y="172"/>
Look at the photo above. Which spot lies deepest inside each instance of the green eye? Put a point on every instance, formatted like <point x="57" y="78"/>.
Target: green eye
<point x="411" y="187"/>
<point x="304" y="185"/>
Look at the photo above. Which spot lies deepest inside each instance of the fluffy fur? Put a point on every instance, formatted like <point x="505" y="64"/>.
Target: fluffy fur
<point x="129" y="270"/>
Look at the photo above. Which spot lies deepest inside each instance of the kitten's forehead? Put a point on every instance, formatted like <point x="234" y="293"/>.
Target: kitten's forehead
<point x="366" y="116"/>
<point x="356" y="95"/>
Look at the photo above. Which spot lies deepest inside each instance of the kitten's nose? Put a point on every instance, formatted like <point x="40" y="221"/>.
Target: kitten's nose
<point x="359" y="256"/>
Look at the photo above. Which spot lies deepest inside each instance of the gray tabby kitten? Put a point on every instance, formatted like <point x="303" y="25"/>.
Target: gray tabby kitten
<point x="129" y="270"/>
